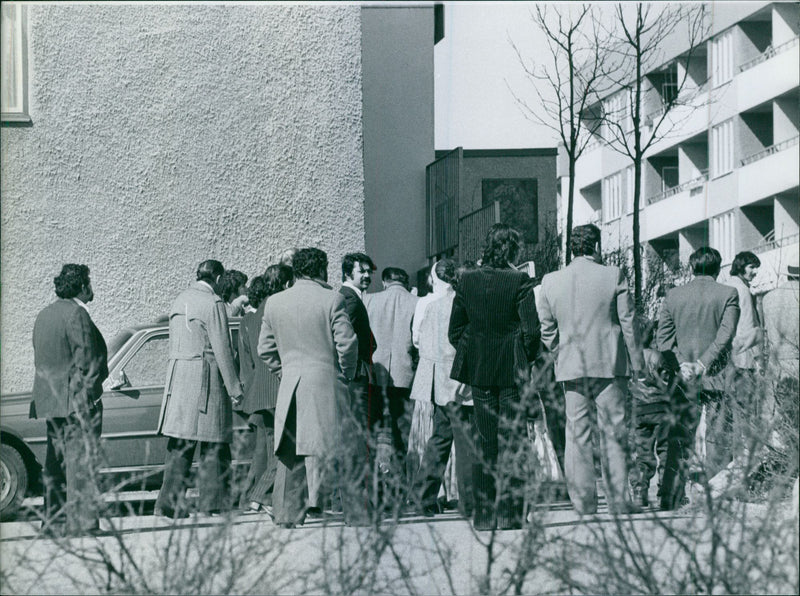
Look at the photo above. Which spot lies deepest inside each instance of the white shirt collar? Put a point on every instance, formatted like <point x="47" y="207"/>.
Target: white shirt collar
<point x="352" y="286"/>
<point x="81" y="304"/>
<point x="205" y="283"/>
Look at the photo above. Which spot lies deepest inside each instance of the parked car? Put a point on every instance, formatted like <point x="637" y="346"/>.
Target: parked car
<point x="132" y="397"/>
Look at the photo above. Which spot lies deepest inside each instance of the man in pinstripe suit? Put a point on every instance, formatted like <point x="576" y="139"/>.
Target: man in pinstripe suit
<point x="495" y="330"/>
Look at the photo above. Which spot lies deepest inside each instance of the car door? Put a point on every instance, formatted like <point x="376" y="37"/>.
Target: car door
<point x="130" y="414"/>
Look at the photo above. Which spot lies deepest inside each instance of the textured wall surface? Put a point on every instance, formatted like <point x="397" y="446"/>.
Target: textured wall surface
<point x="164" y="135"/>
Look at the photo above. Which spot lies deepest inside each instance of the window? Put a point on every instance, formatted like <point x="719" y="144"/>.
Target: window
<point x="14" y="56"/>
<point x="722" y="149"/>
<point x="723" y="235"/>
<point x="629" y="189"/>
<point x="615" y="109"/>
<point x="148" y="366"/>
<point x="669" y="177"/>
<point x="721" y="57"/>
<point x="612" y="197"/>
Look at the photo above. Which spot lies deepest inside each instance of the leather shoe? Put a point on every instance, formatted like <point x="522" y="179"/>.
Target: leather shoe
<point x="640" y="496"/>
<point x="314" y="513"/>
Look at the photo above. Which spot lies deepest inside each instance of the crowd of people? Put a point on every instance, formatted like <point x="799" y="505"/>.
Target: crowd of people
<point x="363" y="403"/>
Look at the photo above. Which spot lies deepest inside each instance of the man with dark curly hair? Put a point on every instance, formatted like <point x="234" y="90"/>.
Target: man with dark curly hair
<point x="71" y="364"/>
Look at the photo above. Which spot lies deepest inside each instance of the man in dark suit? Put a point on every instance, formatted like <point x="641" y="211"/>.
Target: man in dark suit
<point x="365" y="411"/>
<point x="495" y="329"/>
<point x="587" y="321"/>
<point x="71" y="364"/>
<point x="697" y="325"/>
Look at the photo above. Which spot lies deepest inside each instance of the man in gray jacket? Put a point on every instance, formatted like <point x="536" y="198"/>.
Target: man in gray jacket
<point x="587" y="319"/>
<point x="201" y="387"/>
<point x="697" y="325"/>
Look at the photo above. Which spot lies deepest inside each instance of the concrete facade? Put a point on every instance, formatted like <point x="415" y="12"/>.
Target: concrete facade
<point x="163" y="135"/>
<point x="397" y="48"/>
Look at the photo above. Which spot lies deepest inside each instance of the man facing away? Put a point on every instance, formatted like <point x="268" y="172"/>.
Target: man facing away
<point x="697" y="325"/>
<point x="306" y="338"/>
<point x="390" y="313"/>
<point x="201" y="387"/>
<point x="587" y="317"/>
<point x="70" y="358"/>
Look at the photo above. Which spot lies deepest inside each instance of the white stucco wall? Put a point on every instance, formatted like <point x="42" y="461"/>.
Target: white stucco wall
<point x="164" y="135"/>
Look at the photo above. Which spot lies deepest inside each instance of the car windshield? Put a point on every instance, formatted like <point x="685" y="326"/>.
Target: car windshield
<point x="119" y="340"/>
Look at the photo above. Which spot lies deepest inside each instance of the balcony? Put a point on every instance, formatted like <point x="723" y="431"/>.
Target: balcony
<point x="768" y="53"/>
<point x="770" y="151"/>
<point x="771" y="74"/>
<point x="686" y="207"/>
<point x="769" y="172"/>
<point x="694" y="186"/>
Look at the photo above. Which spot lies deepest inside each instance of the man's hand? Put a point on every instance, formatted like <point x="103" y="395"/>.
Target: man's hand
<point x="691" y="371"/>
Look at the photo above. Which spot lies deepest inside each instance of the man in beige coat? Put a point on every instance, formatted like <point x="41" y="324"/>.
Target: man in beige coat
<point x="390" y="315"/>
<point x="587" y="320"/>
<point x="201" y="386"/>
<point x="306" y="338"/>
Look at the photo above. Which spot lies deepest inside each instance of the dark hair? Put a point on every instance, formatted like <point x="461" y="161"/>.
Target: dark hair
<point x="310" y="262"/>
<point x="447" y="271"/>
<point x="395" y="274"/>
<point x="230" y="283"/>
<point x="349" y="261"/>
<point x="502" y="246"/>
<point x="71" y="280"/>
<point x="705" y="261"/>
<point x="277" y="276"/>
<point x="257" y="290"/>
<point x="742" y="260"/>
<point x="209" y="270"/>
<point x="584" y="239"/>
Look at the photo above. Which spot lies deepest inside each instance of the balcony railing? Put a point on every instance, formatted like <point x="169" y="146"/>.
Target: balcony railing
<point x="768" y="53"/>
<point x="776" y="148"/>
<point x="771" y="243"/>
<point x="701" y="179"/>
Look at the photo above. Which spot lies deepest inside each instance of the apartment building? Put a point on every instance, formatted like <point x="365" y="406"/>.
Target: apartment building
<point x="727" y="173"/>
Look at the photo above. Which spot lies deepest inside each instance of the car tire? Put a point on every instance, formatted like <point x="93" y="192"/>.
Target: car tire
<point x="13" y="481"/>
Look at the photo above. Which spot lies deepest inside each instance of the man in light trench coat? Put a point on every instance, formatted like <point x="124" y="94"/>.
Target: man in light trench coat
<point x="201" y="387"/>
<point x="307" y="338"/>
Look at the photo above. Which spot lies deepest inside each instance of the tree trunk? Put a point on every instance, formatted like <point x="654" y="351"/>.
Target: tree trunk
<point x="637" y="247"/>
<point x="570" y="201"/>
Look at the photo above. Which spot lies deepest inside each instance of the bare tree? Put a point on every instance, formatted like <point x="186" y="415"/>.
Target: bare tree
<point x="567" y="84"/>
<point x="640" y="37"/>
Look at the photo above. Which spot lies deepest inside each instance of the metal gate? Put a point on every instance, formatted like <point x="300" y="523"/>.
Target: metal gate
<point x="443" y="181"/>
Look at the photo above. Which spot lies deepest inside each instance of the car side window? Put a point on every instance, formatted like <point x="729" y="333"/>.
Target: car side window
<point x="148" y="366"/>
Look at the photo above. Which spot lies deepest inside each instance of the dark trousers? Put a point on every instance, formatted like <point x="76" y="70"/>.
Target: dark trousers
<point x="650" y="436"/>
<point x="299" y="478"/>
<point x="70" y="470"/>
<point x="451" y="423"/>
<point x="261" y="476"/>
<point x="355" y="460"/>
<point x="213" y="476"/>
<point x="498" y="474"/>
